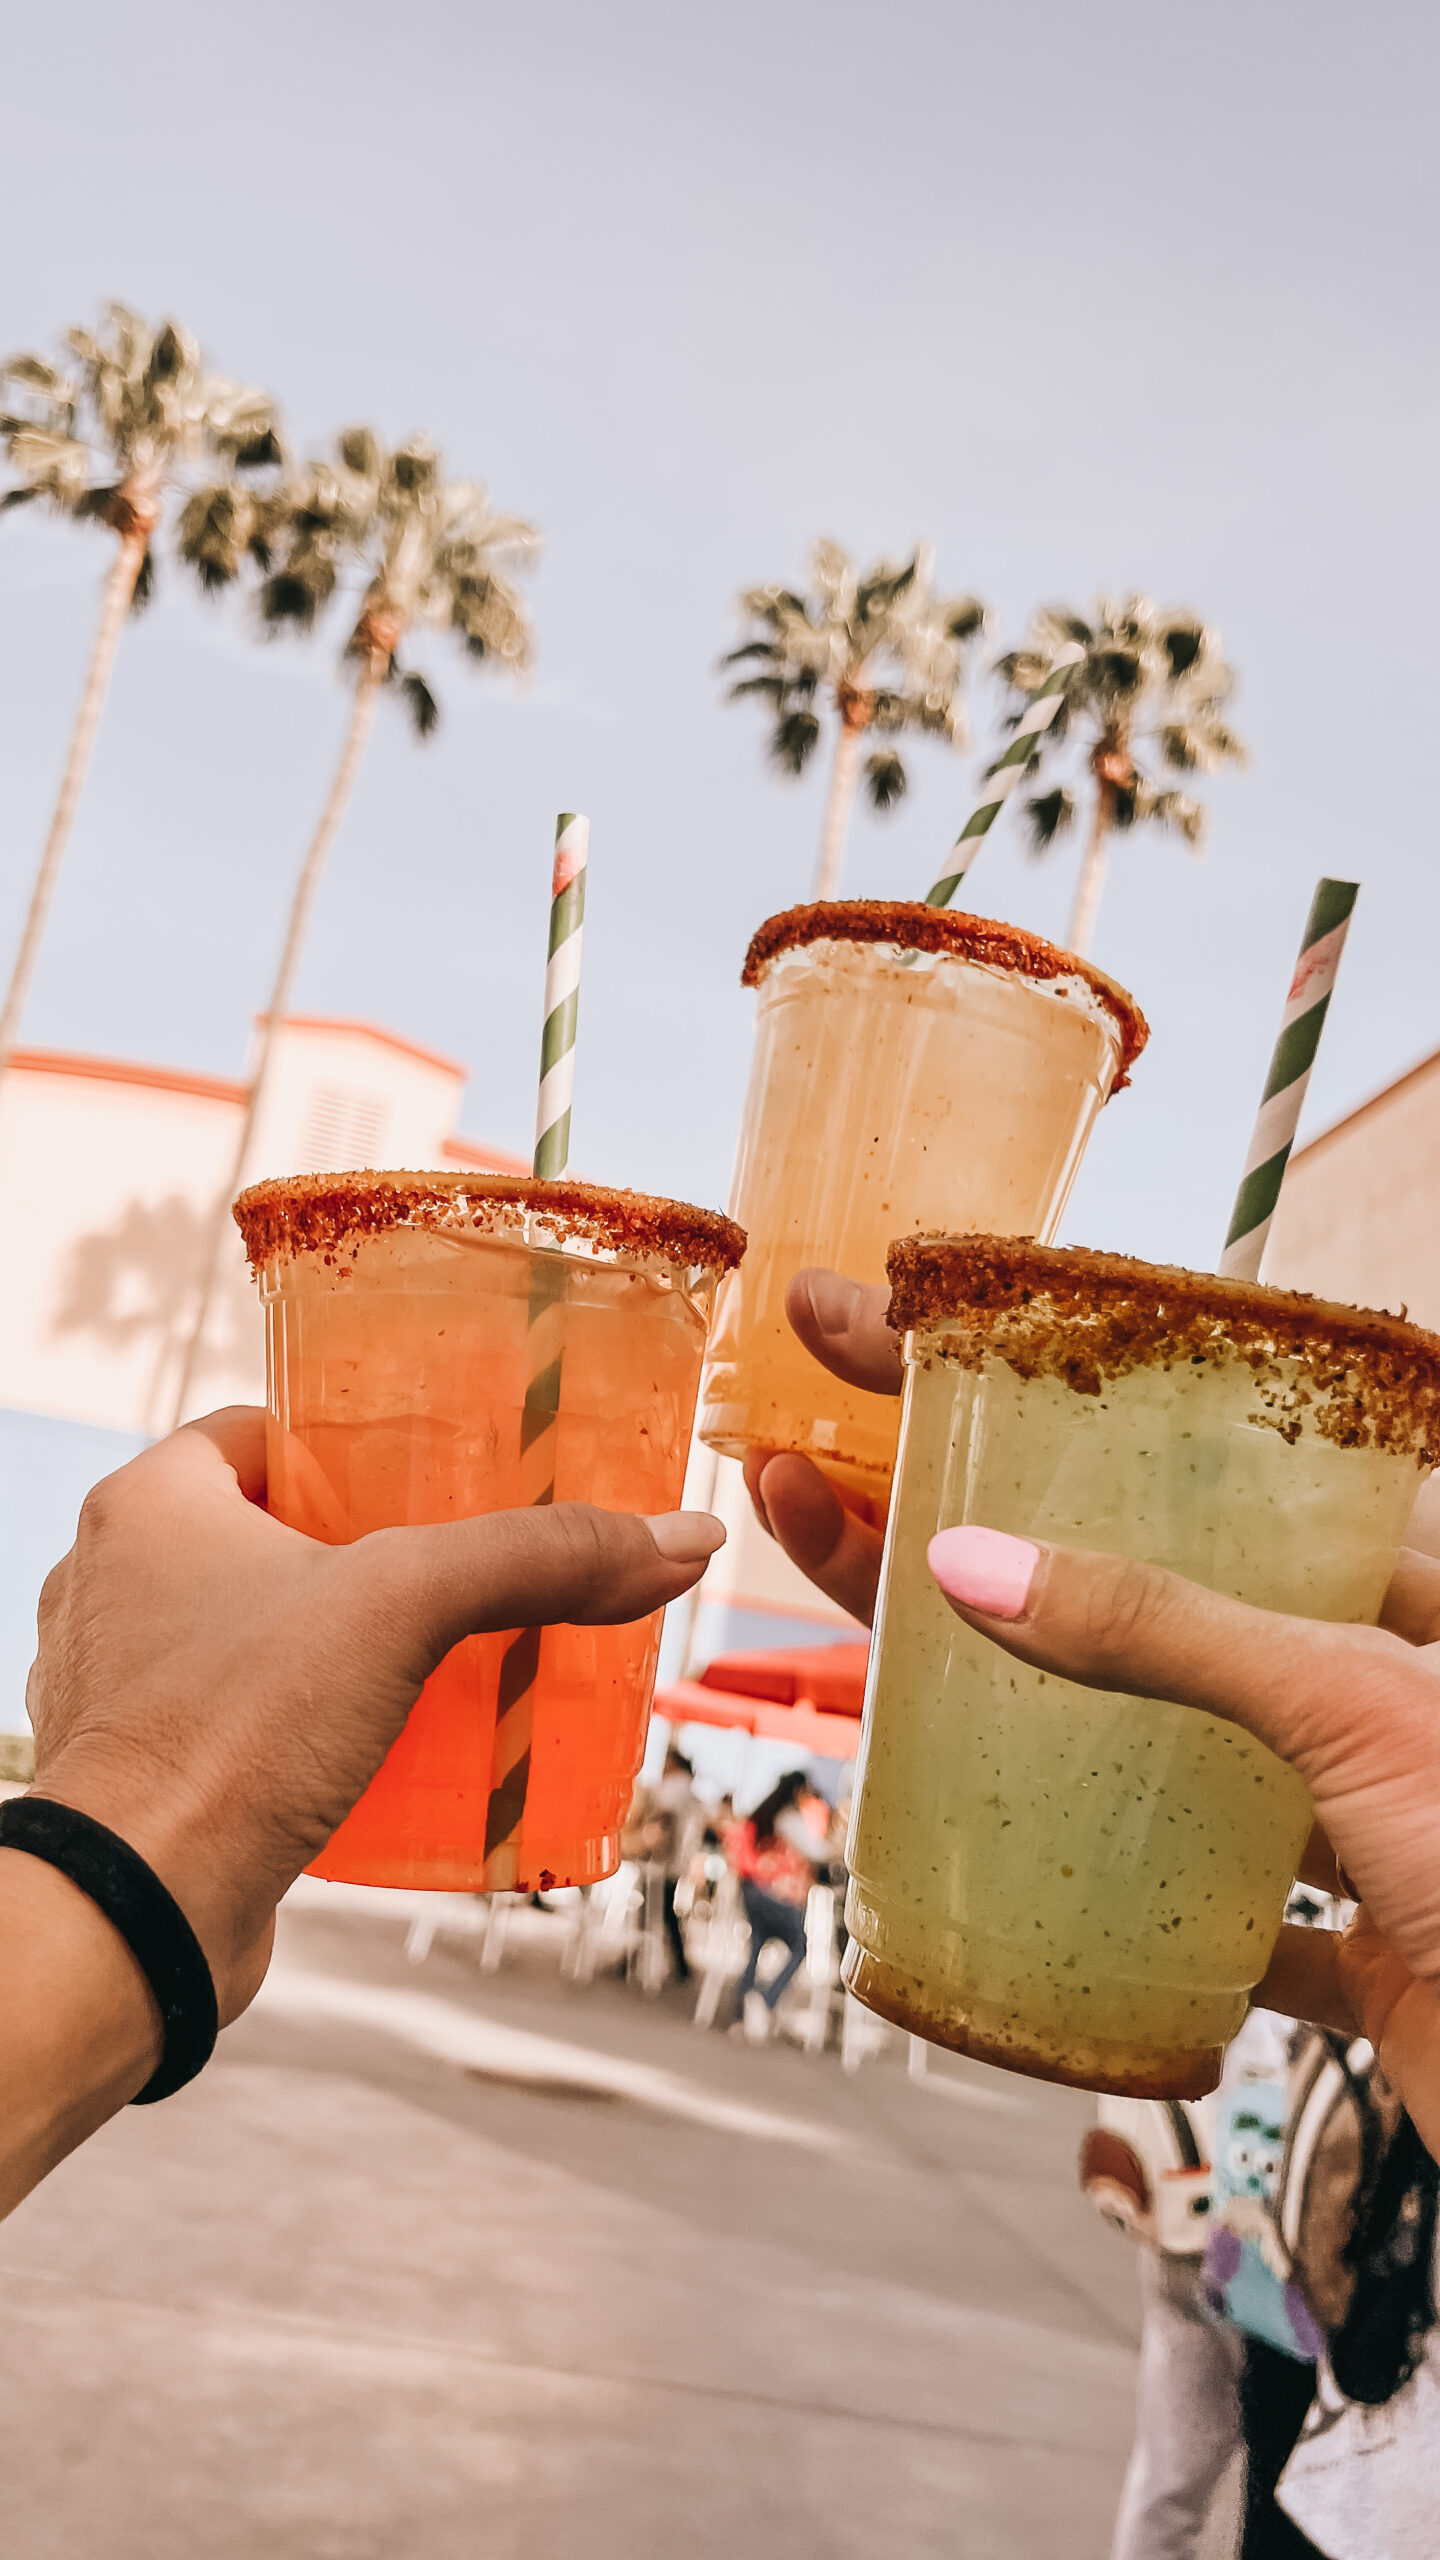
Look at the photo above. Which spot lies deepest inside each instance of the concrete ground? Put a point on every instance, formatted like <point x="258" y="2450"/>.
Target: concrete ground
<point x="435" y="2265"/>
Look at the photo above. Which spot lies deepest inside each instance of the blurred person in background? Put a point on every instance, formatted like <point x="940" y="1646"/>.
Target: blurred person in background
<point x="776" y="1856"/>
<point x="1146" y="2166"/>
<point x="678" y="1821"/>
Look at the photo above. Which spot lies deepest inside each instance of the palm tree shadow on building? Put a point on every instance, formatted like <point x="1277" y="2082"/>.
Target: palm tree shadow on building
<point x="138" y="1280"/>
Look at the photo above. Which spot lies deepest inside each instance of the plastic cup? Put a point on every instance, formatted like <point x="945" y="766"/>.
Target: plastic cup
<point x="1080" y="1886"/>
<point x="913" y="1068"/>
<point x="444" y="1345"/>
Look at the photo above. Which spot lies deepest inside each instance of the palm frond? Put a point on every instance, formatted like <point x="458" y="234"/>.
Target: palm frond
<point x="885" y="780"/>
<point x="965" y="618"/>
<point x="1047" y="816"/>
<point x="772" y="688"/>
<point x="1118" y="671"/>
<point x="258" y="452"/>
<point x="33" y="373"/>
<point x="1176" y="809"/>
<point x="144" y="586"/>
<point x="1181" y="749"/>
<point x="288" y="601"/>
<point x="421" y="704"/>
<point x="794" y="740"/>
<point x="1226" y="746"/>
<point x="1182" y="644"/>
<point x="359" y="450"/>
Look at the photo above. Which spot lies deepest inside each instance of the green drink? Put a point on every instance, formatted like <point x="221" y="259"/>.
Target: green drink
<point x="1084" y="1886"/>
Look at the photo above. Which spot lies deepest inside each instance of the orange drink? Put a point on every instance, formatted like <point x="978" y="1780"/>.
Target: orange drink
<point x="913" y="1068"/>
<point x="444" y="1345"/>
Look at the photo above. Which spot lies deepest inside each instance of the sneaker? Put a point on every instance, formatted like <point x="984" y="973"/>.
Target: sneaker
<point x="758" y="2021"/>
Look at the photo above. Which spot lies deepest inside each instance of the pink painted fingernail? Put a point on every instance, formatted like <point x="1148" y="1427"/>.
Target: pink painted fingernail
<point x="984" y="1569"/>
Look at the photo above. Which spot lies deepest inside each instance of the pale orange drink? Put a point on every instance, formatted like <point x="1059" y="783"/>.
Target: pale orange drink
<point x="444" y="1345"/>
<point x="912" y="1068"/>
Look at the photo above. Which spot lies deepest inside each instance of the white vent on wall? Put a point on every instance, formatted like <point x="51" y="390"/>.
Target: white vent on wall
<point x="343" y="1129"/>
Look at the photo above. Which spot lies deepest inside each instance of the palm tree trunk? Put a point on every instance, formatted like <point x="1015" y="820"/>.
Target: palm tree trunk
<point x="119" y="591"/>
<point x="366" y="693"/>
<point x="838" y="803"/>
<point x="1091" y="882"/>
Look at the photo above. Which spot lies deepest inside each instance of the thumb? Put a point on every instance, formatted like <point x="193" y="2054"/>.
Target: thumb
<point x="844" y="1325"/>
<point x="1110" y="1622"/>
<point x="563" y="1564"/>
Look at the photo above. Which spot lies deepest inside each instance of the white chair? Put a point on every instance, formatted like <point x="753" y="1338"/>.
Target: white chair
<point x="726" y="1945"/>
<point x="433" y="1915"/>
<point x="821" y="1968"/>
<point x="862" y="2034"/>
<point x="611" y="1923"/>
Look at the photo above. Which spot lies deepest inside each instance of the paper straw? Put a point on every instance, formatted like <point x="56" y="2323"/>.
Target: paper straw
<point x="520" y="1662"/>
<point x="1280" y="1106"/>
<point x="540" y="1413"/>
<point x="1005" y="772"/>
<point x="562" y="994"/>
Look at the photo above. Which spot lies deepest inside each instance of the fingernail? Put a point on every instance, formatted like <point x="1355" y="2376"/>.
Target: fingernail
<point x="834" y="1300"/>
<point x="685" y="1537"/>
<point x="984" y="1569"/>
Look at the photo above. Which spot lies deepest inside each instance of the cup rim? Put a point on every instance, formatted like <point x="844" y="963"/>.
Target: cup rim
<point x="914" y="926"/>
<point x="1084" y="1317"/>
<point x="318" y="1212"/>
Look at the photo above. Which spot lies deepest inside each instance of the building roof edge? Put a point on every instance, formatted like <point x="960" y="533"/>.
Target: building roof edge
<point x="1363" y="1110"/>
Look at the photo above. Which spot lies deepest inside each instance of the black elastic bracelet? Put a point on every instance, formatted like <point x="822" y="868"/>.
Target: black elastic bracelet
<point x="148" y="1918"/>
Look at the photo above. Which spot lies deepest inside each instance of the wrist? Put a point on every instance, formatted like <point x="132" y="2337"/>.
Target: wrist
<point x="80" y="2033"/>
<point x="176" y="1838"/>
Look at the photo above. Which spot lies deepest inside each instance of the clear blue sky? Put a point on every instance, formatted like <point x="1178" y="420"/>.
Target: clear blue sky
<point x="1104" y="294"/>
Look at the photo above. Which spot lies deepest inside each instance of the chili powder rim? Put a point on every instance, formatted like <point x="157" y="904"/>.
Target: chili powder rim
<point x="316" y="1212"/>
<point x="914" y="926"/>
<point x="1145" y="1310"/>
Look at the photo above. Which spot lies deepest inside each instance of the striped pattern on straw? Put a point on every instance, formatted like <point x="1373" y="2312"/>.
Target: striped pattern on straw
<point x="562" y="994"/>
<point x="545" y="1347"/>
<point x="1004" y="773"/>
<point x="520" y="1662"/>
<point x="1300" y="1026"/>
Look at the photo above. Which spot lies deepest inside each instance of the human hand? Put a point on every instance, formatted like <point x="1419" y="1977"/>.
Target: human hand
<point x="219" y="1689"/>
<point x="1356" y="1710"/>
<point x="835" y="1542"/>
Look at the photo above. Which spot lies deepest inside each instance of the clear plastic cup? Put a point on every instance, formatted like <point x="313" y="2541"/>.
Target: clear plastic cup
<point x="1083" y="1886"/>
<point x="912" y="1069"/>
<point x="444" y="1345"/>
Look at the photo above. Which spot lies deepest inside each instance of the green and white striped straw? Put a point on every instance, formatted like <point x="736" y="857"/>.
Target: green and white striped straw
<point x="1300" y="1026"/>
<point x="1004" y="773"/>
<point x="562" y="994"/>
<point x="545" y="1351"/>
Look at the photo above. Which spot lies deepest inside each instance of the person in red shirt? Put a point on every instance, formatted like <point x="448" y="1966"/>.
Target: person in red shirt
<point x="775" y="1854"/>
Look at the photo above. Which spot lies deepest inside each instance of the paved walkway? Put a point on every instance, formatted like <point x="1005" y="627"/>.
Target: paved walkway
<point x="436" y="2266"/>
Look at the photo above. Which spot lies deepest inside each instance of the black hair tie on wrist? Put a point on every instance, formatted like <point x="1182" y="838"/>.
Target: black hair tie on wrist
<point x="148" y="1918"/>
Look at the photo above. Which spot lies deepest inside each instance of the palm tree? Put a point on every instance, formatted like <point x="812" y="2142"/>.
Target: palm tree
<point x="882" y="651"/>
<point x="1142" y="675"/>
<point x="103" y="436"/>
<point x="417" y="549"/>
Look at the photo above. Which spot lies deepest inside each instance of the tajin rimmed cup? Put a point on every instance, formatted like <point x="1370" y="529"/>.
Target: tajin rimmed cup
<point x="444" y="1345"/>
<point x="1084" y="1886"/>
<point x="912" y="1068"/>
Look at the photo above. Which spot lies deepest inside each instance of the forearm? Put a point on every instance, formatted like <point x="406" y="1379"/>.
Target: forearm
<point x="79" y="2030"/>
